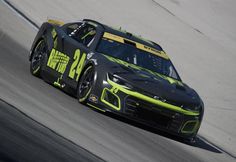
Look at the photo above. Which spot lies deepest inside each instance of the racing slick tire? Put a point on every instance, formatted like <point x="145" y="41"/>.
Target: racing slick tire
<point x="37" y="58"/>
<point x="85" y="84"/>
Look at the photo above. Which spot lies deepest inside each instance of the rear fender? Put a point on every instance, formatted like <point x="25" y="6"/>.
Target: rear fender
<point x="48" y="32"/>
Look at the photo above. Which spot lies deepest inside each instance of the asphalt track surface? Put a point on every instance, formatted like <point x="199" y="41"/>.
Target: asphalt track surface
<point x="23" y="139"/>
<point x="104" y="135"/>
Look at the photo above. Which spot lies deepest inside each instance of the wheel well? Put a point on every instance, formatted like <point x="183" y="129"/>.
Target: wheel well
<point x="35" y="46"/>
<point x="41" y="38"/>
<point x="85" y="67"/>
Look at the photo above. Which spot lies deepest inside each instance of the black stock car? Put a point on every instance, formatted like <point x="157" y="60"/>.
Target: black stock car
<point x="116" y="71"/>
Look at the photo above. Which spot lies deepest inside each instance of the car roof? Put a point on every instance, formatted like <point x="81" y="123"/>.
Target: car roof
<point x="125" y="34"/>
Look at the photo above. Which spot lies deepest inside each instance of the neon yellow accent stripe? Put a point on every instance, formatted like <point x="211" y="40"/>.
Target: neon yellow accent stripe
<point x="106" y="102"/>
<point x="138" y="45"/>
<point x="36" y="70"/>
<point x="171" y="80"/>
<point x="55" y="43"/>
<point x="56" y="22"/>
<point x="85" y="97"/>
<point x="54" y="33"/>
<point x="96" y="107"/>
<point x="194" y="129"/>
<point x="92" y="32"/>
<point x="152" y="100"/>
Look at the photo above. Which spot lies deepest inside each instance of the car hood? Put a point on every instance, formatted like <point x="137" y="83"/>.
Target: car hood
<point x="154" y="84"/>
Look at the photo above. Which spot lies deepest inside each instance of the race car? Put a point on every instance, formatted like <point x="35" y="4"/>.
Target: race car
<point x="115" y="71"/>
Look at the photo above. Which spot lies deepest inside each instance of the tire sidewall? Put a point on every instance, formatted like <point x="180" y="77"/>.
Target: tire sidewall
<point x="85" y="71"/>
<point x="37" y="72"/>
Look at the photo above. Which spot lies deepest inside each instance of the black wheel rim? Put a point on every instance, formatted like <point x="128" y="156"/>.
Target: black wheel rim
<point x="86" y="83"/>
<point x="37" y="56"/>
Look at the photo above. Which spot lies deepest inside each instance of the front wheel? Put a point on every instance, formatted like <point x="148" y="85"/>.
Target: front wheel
<point x="37" y="58"/>
<point x="85" y="84"/>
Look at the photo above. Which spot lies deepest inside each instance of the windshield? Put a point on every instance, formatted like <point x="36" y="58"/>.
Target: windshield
<point x="129" y="53"/>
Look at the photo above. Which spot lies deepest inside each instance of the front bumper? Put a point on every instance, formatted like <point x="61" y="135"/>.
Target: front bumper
<point x="149" y="111"/>
<point x="160" y="117"/>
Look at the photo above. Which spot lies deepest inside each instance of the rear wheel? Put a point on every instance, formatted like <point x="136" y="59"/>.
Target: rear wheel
<point x="37" y="58"/>
<point x="85" y="84"/>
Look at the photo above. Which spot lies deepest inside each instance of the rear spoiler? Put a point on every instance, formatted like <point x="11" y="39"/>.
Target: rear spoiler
<point x="56" y="22"/>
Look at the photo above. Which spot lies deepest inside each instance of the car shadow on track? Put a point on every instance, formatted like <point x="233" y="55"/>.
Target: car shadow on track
<point x="200" y="141"/>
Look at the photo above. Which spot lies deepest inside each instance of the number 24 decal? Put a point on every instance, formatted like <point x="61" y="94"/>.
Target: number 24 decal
<point x="77" y="65"/>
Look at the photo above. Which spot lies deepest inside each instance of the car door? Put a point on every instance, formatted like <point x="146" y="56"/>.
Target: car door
<point x="57" y="60"/>
<point x="76" y="45"/>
